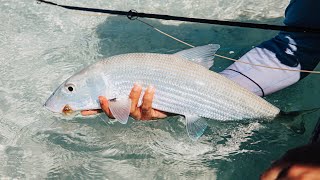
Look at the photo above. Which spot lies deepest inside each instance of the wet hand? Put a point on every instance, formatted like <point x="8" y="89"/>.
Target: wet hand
<point x="144" y="112"/>
<point x="296" y="172"/>
<point x="299" y="163"/>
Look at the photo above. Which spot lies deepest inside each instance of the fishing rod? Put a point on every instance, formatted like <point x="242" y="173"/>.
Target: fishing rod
<point x="132" y="14"/>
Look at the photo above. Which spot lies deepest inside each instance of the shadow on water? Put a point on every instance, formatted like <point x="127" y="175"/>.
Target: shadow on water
<point x="135" y="36"/>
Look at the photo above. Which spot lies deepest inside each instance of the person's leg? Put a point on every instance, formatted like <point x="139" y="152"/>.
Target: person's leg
<point x="287" y="50"/>
<point x="263" y="81"/>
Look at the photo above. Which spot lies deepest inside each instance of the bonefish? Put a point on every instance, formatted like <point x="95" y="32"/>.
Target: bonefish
<point x="184" y="85"/>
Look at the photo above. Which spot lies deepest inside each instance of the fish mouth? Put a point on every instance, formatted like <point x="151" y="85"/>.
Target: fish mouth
<point x="67" y="110"/>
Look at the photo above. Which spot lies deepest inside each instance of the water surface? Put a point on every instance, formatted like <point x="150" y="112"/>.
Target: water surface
<point x="42" y="45"/>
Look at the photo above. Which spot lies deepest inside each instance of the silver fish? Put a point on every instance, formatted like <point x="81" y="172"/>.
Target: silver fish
<point x="183" y="82"/>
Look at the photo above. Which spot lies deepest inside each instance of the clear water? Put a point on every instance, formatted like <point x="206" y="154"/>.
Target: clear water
<point x="41" y="46"/>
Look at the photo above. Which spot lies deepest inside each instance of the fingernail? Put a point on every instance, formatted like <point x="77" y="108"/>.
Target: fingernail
<point x="101" y="99"/>
<point x="136" y="87"/>
<point x="150" y="89"/>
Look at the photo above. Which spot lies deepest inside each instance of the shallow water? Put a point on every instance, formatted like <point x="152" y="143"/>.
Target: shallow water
<point x="42" y="45"/>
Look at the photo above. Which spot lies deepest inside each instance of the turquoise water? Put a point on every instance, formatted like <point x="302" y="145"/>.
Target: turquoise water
<point x="41" y="46"/>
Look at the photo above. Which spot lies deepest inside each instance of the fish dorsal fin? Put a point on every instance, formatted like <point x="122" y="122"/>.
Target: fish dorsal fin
<point x="202" y="55"/>
<point x="195" y="126"/>
<point x="120" y="109"/>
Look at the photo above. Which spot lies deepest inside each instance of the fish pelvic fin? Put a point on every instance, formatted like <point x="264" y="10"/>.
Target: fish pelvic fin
<point x="195" y="126"/>
<point x="202" y="55"/>
<point x="120" y="109"/>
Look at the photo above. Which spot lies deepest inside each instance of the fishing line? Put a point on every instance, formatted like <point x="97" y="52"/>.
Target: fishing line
<point x="133" y="15"/>
<point x="224" y="57"/>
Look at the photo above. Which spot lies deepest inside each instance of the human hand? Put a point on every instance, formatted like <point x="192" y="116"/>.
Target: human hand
<point x="144" y="112"/>
<point x="299" y="163"/>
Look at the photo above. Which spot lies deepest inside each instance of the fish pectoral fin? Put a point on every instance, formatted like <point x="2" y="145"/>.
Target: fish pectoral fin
<point x="120" y="109"/>
<point x="202" y="55"/>
<point x="195" y="126"/>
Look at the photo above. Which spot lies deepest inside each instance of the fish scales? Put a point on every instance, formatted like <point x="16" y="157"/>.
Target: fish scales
<point x="184" y="87"/>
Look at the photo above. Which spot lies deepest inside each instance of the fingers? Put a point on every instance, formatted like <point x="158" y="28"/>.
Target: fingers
<point x="273" y="172"/>
<point x="134" y="96"/>
<point x="294" y="171"/>
<point x="145" y="112"/>
<point x="105" y="106"/>
<point x="303" y="172"/>
<point x="291" y="172"/>
<point x="90" y="112"/>
<point x="159" y="114"/>
<point x="146" y="107"/>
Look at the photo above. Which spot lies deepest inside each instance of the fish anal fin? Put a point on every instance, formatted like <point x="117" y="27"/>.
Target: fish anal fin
<point x="196" y="126"/>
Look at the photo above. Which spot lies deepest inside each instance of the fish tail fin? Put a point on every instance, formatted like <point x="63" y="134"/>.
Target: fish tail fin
<point x="296" y="119"/>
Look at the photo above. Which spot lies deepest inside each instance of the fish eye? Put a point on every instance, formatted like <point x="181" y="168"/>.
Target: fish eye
<point x="70" y="87"/>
